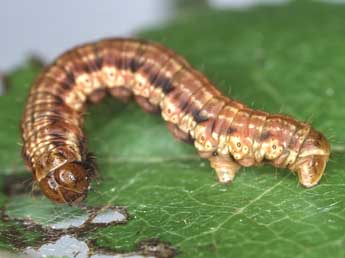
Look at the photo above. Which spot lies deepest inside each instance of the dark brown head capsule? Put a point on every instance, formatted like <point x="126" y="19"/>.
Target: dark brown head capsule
<point x="66" y="184"/>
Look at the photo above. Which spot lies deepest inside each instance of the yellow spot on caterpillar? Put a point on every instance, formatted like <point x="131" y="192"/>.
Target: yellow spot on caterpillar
<point x="146" y="93"/>
<point x="174" y="119"/>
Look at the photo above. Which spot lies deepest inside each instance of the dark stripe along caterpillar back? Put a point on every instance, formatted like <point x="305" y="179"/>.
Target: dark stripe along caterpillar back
<point x="222" y="130"/>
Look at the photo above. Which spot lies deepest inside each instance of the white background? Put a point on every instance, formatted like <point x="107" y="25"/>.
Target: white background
<point x="46" y="28"/>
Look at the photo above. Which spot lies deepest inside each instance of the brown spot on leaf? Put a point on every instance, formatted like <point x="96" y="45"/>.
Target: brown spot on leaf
<point x="157" y="248"/>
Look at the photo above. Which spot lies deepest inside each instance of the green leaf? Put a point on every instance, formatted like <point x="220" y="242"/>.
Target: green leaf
<point x="287" y="59"/>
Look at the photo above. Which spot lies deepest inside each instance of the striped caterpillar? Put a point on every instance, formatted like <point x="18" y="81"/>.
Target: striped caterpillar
<point x="224" y="131"/>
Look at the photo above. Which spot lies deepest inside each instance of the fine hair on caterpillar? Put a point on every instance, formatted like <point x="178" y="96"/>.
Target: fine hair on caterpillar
<point x="226" y="132"/>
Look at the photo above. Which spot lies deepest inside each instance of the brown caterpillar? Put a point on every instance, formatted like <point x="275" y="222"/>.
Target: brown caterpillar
<point x="223" y="130"/>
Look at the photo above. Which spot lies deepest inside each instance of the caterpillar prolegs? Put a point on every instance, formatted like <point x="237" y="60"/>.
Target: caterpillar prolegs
<point x="224" y="131"/>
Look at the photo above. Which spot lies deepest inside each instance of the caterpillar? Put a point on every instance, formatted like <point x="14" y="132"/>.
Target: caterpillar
<point x="226" y="132"/>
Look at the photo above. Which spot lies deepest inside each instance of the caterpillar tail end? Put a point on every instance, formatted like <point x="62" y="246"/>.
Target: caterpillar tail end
<point x="311" y="170"/>
<point x="312" y="160"/>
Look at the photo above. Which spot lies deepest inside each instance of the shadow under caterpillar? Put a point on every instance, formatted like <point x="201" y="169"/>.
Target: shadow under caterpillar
<point x="224" y="131"/>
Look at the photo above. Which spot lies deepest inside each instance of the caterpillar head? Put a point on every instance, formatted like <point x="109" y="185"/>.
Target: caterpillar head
<point x="68" y="183"/>
<point x="311" y="161"/>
